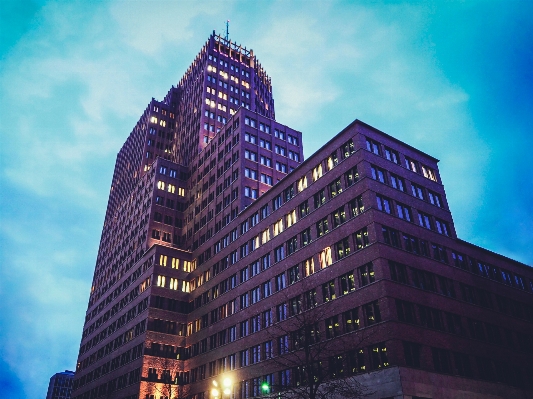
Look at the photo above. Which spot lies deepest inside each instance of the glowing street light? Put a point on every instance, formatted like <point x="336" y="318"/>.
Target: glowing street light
<point x="265" y="388"/>
<point x="225" y="388"/>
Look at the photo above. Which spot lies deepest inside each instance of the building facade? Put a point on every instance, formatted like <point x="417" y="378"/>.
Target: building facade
<point x="60" y="386"/>
<point x="218" y="235"/>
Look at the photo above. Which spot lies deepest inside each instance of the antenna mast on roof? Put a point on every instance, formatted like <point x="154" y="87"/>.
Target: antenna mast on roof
<point x="227" y="30"/>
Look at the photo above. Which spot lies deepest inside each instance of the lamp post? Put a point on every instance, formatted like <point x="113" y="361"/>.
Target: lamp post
<point x="223" y="389"/>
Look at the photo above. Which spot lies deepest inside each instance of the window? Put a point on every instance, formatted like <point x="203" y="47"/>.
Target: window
<point x="295" y="305"/>
<point x="281" y="167"/>
<point x="255" y="294"/>
<point x="333" y="327"/>
<point x="279" y="253"/>
<point x="266" y="288"/>
<point x="308" y="266"/>
<point x="403" y="211"/>
<point x="267" y="179"/>
<point x="324" y="258"/>
<point x="424" y="220"/>
<point x="305" y="237"/>
<point x="302" y="184"/>
<point x="280" y="282"/>
<point x="250" y="138"/>
<point x="356" y="206"/>
<point x="304" y="209"/>
<point x="281" y="312"/>
<point x="434" y="199"/>
<point x="266" y="161"/>
<point x="373" y="146"/>
<point x="351" y="320"/>
<point x="351" y="177"/>
<point x="292" y="245"/>
<point x="252" y="156"/>
<point x="322" y="227"/>
<point x="280" y="150"/>
<point x="328" y="291"/>
<point x="294" y="274"/>
<point x="310" y="299"/>
<point x="294" y="156"/>
<point x="347" y="283"/>
<point x="335" y="188"/>
<point x="320" y="198"/>
<point x="397" y="182"/>
<point x="347" y="149"/>
<point x="250" y="192"/>
<point x="398" y="272"/>
<point x="292" y="140"/>
<point x="392" y="155"/>
<point x="342" y="248"/>
<point x="250" y="173"/>
<point x="332" y="161"/>
<point x="338" y="217"/>
<point x="366" y="273"/>
<point x="288" y="193"/>
<point x="442" y="227"/>
<point x="384" y="204"/>
<point x="361" y="238"/>
<point x="428" y="173"/>
<point x="411" y="164"/>
<point x="379" y="356"/>
<point x="290" y="218"/>
<point x="317" y="172"/>
<point x="412" y="354"/>
<point x="405" y="311"/>
<point x="439" y="253"/>
<point x="265" y="144"/>
<point x="278" y="227"/>
<point x="372" y="313"/>
<point x="277" y="202"/>
<point x="417" y="191"/>
<point x="378" y="174"/>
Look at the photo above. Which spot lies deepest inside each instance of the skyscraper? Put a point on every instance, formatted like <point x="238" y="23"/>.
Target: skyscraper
<point x="218" y="234"/>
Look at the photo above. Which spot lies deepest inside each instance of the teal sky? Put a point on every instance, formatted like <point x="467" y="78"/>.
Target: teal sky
<point x="452" y="78"/>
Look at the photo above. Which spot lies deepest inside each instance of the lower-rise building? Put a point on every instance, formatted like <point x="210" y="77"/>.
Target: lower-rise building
<point x="60" y="385"/>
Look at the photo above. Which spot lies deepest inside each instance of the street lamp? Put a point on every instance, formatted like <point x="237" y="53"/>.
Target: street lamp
<point x="219" y="391"/>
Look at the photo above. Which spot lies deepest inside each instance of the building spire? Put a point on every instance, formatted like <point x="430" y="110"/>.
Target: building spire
<point x="227" y="30"/>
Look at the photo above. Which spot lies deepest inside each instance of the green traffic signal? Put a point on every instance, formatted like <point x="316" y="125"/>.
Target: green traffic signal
<point x="265" y="387"/>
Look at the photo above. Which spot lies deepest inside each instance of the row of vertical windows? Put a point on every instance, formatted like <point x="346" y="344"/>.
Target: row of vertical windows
<point x="393" y="156"/>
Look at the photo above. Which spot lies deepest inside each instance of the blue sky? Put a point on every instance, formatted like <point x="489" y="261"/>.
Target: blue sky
<point x="453" y="78"/>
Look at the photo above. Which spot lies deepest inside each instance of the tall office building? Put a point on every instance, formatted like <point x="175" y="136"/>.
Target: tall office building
<point x="218" y="236"/>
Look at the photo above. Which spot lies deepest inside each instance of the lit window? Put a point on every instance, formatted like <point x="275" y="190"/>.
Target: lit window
<point x="317" y="172"/>
<point x="291" y="218"/>
<point x="428" y="173"/>
<point x="302" y="184"/>
<point x="324" y="257"/>
<point x="278" y="227"/>
<point x="175" y="263"/>
<point x="265" y="236"/>
<point x="160" y="281"/>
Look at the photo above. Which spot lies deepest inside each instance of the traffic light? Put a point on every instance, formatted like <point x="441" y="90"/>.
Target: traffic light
<point x="265" y="388"/>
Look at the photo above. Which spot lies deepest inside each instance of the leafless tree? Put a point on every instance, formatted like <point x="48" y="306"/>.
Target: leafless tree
<point x="318" y="362"/>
